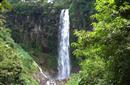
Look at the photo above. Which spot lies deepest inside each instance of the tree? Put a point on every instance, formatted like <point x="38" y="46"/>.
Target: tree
<point x="104" y="52"/>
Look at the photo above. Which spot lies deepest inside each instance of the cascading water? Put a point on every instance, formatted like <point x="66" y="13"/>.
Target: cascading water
<point x="63" y="50"/>
<point x="50" y="1"/>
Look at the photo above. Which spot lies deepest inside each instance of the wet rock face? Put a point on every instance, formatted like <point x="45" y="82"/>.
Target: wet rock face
<point x="35" y="27"/>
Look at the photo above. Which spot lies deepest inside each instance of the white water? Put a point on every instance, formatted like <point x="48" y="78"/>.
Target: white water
<point x="50" y="1"/>
<point x="23" y="0"/>
<point x="63" y="50"/>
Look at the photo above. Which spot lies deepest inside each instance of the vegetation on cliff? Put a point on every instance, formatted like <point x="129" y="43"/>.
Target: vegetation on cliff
<point x="101" y="41"/>
<point x="16" y="66"/>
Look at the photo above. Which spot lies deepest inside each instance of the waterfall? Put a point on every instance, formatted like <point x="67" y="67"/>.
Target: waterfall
<point x="63" y="50"/>
<point x="23" y="0"/>
<point x="50" y="1"/>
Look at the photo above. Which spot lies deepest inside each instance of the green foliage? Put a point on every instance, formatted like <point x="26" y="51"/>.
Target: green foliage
<point x="62" y="3"/>
<point x="29" y="66"/>
<point x="74" y="80"/>
<point x="4" y="5"/>
<point x="13" y="69"/>
<point x="10" y="68"/>
<point x="80" y="11"/>
<point x="104" y="52"/>
<point x="16" y="66"/>
<point x="92" y="72"/>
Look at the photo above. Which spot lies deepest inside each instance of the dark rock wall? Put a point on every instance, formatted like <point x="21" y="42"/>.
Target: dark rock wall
<point x="36" y="25"/>
<point x="37" y="28"/>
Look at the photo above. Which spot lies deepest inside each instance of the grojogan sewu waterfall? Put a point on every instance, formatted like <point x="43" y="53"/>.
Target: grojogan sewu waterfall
<point x="63" y="50"/>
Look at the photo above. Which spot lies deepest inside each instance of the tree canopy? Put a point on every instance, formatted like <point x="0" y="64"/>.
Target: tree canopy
<point x="104" y="52"/>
